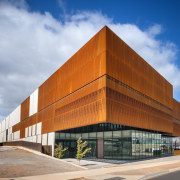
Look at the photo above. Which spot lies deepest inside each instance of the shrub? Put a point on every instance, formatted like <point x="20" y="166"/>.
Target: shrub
<point x="81" y="149"/>
<point x="59" y="151"/>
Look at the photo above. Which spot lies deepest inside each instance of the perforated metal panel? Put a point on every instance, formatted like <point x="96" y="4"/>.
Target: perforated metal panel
<point x="25" y="109"/>
<point x="105" y="81"/>
<point x="125" y="65"/>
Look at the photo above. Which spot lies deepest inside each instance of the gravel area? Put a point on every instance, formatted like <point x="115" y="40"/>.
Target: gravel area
<point x="16" y="162"/>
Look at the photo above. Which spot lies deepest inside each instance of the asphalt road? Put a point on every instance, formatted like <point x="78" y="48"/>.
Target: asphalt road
<point x="170" y="176"/>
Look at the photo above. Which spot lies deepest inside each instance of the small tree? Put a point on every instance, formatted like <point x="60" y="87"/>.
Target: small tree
<point x="59" y="151"/>
<point x="81" y="149"/>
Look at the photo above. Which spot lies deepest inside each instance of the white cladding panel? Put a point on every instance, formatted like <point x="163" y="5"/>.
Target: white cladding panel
<point x="15" y="116"/>
<point x="33" y="138"/>
<point x="39" y="138"/>
<point x="29" y="139"/>
<point x="0" y="127"/>
<point x="12" y="136"/>
<point x="10" y="130"/>
<point x="3" y="125"/>
<point x="1" y="137"/>
<point x="33" y="103"/>
<point x="38" y="128"/>
<point x="9" y="137"/>
<point x="51" y="138"/>
<point x="44" y="139"/>
<point x="30" y="130"/>
<point x="16" y="135"/>
<point x="26" y="132"/>
<point x="33" y="129"/>
<point x="4" y="136"/>
<point x="7" y="122"/>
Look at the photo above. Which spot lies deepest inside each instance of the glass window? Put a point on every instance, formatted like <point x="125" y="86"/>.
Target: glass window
<point x="137" y="144"/>
<point x="108" y="151"/>
<point x="68" y="135"/>
<point x="57" y="135"/>
<point x="72" y="148"/>
<point x="120" y="142"/>
<point x="144" y="144"/>
<point x="126" y="133"/>
<point x="108" y="134"/>
<point x="153" y="144"/>
<point x="133" y="144"/>
<point x="62" y="135"/>
<point x="147" y="144"/>
<point x="99" y="134"/>
<point x="126" y="148"/>
<point x="78" y="135"/>
<point x="92" y="144"/>
<point x="170" y="146"/>
<point x="92" y="135"/>
<point x="116" y="134"/>
<point x="117" y="148"/>
<point x="85" y="135"/>
<point x="73" y="136"/>
<point x="141" y="144"/>
<point x="150" y="145"/>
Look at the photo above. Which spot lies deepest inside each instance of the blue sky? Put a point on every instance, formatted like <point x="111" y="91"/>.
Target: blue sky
<point x="140" y="12"/>
<point x="38" y="36"/>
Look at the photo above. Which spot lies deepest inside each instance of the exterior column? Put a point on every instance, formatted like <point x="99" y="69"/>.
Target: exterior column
<point x="100" y="148"/>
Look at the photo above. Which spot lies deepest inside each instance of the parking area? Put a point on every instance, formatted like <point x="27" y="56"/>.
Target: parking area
<point x="15" y="162"/>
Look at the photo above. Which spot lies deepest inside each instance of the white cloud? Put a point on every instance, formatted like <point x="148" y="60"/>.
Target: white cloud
<point x="62" y="5"/>
<point x="34" y="45"/>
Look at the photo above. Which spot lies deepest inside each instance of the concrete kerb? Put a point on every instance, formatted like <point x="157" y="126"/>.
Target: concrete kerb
<point x="161" y="173"/>
<point x="41" y="154"/>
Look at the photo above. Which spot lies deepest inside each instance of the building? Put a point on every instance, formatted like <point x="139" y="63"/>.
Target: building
<point x="105" y="93"/>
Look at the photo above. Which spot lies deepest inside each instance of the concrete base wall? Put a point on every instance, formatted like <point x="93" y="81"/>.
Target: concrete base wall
<point x="47" y="149"/>
<point x="30" y="145"/>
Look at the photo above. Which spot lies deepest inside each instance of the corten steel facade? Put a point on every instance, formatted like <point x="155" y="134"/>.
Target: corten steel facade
<point x="104" y="82"/>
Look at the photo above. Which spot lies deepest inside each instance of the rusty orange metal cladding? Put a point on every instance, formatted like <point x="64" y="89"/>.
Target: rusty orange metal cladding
<point x="105" y="81"/>
<point x="25" y="109"/>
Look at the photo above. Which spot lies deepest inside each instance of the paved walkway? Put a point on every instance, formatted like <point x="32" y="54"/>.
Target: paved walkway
<point x="15" y="162"/>
<point x="107" y="170"/>
<point x="125" y="171"/>
<point x="106" y="163"/>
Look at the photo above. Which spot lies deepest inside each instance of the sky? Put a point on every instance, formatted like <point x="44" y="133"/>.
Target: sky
<point x="37" y="37"/>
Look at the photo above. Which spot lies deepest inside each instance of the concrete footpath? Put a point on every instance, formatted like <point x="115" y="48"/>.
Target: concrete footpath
<point x="128" y="171"/>
<point x="113" y="170"/>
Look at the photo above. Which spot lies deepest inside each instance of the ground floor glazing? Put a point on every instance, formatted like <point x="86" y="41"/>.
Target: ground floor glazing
<point x="114" y="141"/>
